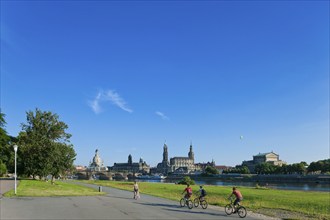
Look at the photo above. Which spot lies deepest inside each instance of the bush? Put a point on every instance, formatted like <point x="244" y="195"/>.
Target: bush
<point x="186" y="180"/>
<point x="3" y="168"/>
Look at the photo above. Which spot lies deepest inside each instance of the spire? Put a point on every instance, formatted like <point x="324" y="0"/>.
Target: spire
<point x="191" y="153"/>
<point x="165" y="153"/>
<point x="130" y="159"/>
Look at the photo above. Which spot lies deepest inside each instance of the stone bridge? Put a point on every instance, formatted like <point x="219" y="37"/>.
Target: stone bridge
<point x="106" y="175"/>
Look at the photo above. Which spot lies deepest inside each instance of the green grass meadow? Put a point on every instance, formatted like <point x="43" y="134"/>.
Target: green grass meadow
<point x="286" y="204"/>
<point x="36" y="188"/>
<point x="300" y="204"/>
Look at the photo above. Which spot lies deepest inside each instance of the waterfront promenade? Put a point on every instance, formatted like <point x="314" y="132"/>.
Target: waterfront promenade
<point x="116" y="204"/>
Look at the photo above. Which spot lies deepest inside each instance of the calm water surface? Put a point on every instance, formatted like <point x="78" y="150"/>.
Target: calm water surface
<point x="288" y="186"/>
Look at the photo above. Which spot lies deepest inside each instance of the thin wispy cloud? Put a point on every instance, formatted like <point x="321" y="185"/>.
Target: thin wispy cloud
<point x="108" y="96"/>
<point x="162" y="115"/>
<point x="95" y="104"/>
<point x="115" y="98"/>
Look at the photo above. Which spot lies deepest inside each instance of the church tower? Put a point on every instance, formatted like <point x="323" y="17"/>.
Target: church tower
<point x="191" y="153"/>
<point x="130" y="160"/>
<point x="165" y="154"/>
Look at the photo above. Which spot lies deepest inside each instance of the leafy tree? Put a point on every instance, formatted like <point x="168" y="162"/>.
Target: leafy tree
<point x="3" y="168"/>
<point x="304" y="163"/>
<point x="299" y="168"/>
<point x="244" y="170"/>
<point x="211" y="170"/>
<point x="322" y="166"/>
<point x="326" y="166"/>
<point x="44" y="145"/>
<point x="238" y="169"/>
<point x="6" y="151"/>
<point x="265" y="168"/>
<point x="63" y="156"/>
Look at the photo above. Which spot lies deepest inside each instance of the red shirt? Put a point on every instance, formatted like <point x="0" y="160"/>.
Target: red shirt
<point x="188" y="190"/>
<point x="237" y="194"/>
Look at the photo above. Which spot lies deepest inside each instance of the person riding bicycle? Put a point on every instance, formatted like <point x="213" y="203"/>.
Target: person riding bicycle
<point x="188" y="191"/>
<point x="238" y="196"/>
<point x="202" y="193"/>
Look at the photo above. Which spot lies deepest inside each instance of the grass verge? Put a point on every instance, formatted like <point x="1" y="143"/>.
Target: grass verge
<point x="286" y="204"/>
<point x="36" y="188"/>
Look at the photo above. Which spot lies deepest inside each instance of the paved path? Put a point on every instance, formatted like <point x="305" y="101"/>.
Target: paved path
<point x="117" y="204"/>
<point x="6" y="185"/>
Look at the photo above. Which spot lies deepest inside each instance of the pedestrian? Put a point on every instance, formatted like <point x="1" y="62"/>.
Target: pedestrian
<point x="136" y="190"/>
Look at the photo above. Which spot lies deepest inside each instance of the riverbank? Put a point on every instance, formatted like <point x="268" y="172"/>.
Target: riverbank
<point x="285" y="204"/>
<point x="294" y="178"/>
<point x="319" y="183"/>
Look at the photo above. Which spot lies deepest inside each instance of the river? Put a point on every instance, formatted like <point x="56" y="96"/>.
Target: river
<point x="286" y="186"/>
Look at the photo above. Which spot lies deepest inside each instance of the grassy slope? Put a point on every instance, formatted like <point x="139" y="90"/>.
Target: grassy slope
<point x="300" y="204"/>
<point x="41" y="188"/>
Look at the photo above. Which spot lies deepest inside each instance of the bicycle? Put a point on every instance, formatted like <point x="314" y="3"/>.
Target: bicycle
<point x="230" y="209"/>
<point x="202" y="202"/>
<point x="185" y="201"/>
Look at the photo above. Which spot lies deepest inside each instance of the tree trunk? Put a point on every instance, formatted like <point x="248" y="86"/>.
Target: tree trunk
<point x="53" y="179"/>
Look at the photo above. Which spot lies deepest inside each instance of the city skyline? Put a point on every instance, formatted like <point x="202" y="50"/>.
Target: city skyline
<point x="234" y="78"/>
<point x="170" y="157"/>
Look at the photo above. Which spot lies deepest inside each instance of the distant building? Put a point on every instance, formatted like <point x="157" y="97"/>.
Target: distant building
<point x="97" y="163"/>
<point x="270" y="157"/>
<point x="180" y="165"/>
<point x="140" y="167"/>
<point x="222" y="168"/>
<point x="183" y="163"/>
<point x="80" y="168"/>
<point x="202" y="166"/>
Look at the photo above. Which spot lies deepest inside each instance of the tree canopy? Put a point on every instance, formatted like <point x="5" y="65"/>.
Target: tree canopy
<point x="5" y="151"/>
<point x="45" y="146"/>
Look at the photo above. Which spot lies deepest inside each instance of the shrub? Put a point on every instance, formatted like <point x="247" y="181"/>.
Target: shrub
<point x="3" y="168"/>
<point x="186" y="180"/>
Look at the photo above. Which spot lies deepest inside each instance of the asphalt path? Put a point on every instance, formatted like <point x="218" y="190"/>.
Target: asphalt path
<point x="116" y="204"/>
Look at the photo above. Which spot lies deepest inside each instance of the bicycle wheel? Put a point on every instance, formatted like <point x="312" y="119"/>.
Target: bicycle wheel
<point x="241" y="211"/>
<point x="196" y="202"/>
<point x="229" y="209"/>
<point x="190" y="204"/>
<point x="204" y="204"/>
<point x="182" y="202"/>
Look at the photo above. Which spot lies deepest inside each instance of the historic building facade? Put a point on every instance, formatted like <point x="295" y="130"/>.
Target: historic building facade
<point x="270" y="157"/>
<point x="164" y="167"/>
<point x="180" y="165"/>
<point x="140" y="167"/>
<point x="183" y="164"/>
<point x="97" y="163"/>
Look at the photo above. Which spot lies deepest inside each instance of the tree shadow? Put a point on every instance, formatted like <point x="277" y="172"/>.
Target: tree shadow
<point x="196" y="212"/>
<point x="160" y="205"/>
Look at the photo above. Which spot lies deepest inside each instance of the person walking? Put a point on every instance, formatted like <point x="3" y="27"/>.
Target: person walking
<point x="136" y="190"/>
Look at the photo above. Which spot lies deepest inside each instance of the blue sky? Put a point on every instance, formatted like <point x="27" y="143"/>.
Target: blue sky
<point x="128" y="75"/>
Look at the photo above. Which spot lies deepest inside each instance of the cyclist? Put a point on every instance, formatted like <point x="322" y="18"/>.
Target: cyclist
<point x="188" y="191"/>
<point x="202" y="193"/>
<point x="238" y="196"/>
